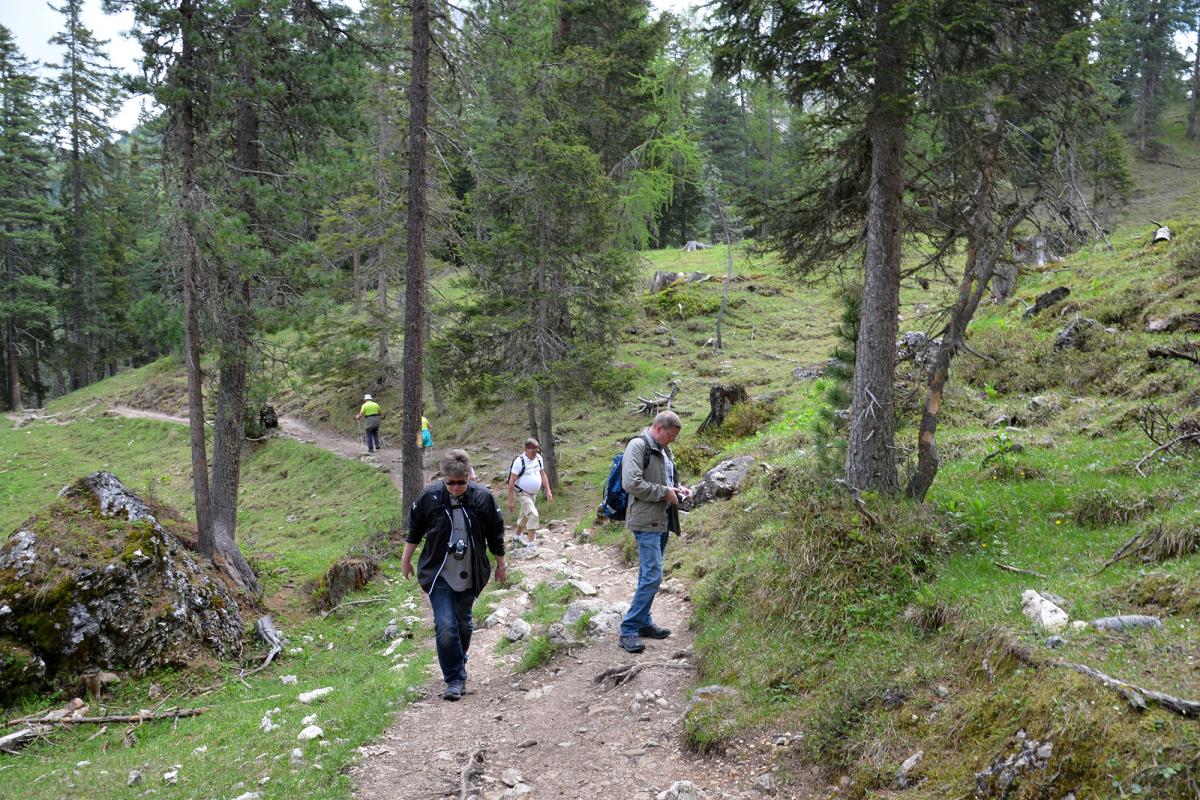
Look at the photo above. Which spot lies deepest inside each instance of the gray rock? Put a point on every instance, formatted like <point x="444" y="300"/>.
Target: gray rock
<point x="904" y="777"/>
<point x="583" y="587"/>
<point x="722" y="481"/>
<point x="917" y="347"/>
<point x="1055" y="642"/>
<point x="605" y="622"/>
<point x="578" y="608"/>
<point x="766" y="783"/>
<point x="557" y="634"/>
<point x="681" y="790"/>
<point x="1126" y="622"/>
<point x="1007" y="771"/>
<point x="518" y="629"/>
<point x="137" y="599"/>
<point x="134" y="779"/>
<point x="510" y="777"/>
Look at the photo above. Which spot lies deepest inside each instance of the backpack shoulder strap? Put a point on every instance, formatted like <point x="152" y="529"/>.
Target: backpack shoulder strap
<point x="646" y="452"/>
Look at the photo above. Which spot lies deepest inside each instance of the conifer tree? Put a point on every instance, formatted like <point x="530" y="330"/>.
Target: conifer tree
<point x="26" y="219"/>
<point x="85" y="96"/>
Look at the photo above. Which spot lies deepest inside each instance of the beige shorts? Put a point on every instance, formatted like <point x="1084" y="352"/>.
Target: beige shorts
<point x="528" y="518"/>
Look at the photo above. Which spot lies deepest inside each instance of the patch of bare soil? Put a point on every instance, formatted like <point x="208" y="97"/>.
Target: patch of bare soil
<point x="555" y="732"/>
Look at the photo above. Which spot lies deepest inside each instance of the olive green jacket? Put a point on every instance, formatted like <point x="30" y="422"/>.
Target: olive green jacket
<point x="647" y="488"/>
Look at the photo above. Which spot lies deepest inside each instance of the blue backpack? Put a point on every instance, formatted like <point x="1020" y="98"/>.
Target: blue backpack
<point x="616" y="499"/>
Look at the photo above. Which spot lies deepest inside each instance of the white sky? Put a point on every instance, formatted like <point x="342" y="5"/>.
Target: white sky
<point x="33" y="22"/>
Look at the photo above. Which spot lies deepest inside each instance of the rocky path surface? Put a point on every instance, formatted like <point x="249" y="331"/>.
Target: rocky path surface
<point x="553" y="732"/>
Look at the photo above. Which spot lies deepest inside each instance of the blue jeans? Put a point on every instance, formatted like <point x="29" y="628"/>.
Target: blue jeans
<point x="452" y="626"/>
<point x="651" y="547"/>
<point x="373" y="439"/>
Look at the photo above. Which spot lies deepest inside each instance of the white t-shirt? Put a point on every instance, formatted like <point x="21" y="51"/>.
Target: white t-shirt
<point x="531" y="481"/>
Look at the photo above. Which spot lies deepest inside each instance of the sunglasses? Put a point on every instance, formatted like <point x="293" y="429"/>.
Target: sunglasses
<point x="456" y="483"/>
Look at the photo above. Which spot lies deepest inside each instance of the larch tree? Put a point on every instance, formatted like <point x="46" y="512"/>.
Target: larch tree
<point x="1009" y="108"/>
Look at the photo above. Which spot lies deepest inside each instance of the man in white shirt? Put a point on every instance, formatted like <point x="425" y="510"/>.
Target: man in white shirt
<point x="525" y="477"/>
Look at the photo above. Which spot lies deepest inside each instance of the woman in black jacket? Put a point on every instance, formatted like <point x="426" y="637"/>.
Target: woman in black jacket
<point x="460" y="522"/>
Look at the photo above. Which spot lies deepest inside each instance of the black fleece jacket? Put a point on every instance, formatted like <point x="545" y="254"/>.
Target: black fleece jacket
<point x="431" y="521"/>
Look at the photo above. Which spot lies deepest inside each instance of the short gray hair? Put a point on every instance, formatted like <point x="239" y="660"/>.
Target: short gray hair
<point x="456" y="462"/>
<point x="668" y="419"/>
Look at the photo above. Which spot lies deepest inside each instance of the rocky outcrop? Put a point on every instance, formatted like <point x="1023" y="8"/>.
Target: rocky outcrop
<point x="722" y="481"/>
<point x="97" y="582"/>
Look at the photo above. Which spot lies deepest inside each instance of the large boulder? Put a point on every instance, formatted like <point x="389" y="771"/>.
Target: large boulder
<point x="97" y="582"/>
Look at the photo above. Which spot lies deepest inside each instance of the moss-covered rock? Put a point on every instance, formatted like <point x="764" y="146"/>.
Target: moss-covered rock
<point x="96" y="582"/>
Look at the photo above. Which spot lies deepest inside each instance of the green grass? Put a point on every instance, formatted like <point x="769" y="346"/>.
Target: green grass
<point x="368" y="689"/>
<point x="301" y="508"/>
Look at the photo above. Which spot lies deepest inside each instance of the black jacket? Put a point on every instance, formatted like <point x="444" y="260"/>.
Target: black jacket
<point x="431" y="521"/>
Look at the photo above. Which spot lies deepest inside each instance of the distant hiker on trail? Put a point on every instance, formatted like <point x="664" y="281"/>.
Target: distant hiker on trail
<point x="369" y="413"/>
<point x="460" y="521"/>
<point x="426" y="434"/>
<point x="526" y="475"/>
<point x="654" y="499"/>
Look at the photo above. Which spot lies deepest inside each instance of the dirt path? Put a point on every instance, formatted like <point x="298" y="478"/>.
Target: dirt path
<point x="551" y="732"/>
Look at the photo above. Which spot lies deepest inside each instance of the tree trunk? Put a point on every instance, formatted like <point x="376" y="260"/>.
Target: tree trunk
<point x="721" y="398"/>
<point x="383" y="208"/>
<point x="870" y="463"/>
<point x="81" y="372"/>
<point x="186" y="134"/>
<point x="531" y="407"/>
<point x="229" y="428"/>
<point x="39" y="389"/>
<point x="10" y="326"/>
<point x="549" y="450"/>
<point x="357" y="280"/>
<point x="414" y="273"/>
<point x="728" y="262"/>
<point x="1192" y="132"/>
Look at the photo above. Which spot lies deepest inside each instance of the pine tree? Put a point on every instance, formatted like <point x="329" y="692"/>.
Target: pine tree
<point x="26" y="220"/>
<point x="84" y="96"/>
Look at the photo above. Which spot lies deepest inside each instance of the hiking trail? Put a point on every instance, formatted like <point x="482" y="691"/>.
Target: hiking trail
<point x="552" y="732"/>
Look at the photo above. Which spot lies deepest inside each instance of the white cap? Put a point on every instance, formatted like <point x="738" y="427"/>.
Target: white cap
<point x="366" y="397"/>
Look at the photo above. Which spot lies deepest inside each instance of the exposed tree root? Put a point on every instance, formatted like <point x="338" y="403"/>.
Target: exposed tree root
<point x="470" y="771"/>
<point x="1137" y="696"/>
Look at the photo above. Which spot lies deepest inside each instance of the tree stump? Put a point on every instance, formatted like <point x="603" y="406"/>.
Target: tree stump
<point x="721" y="398"/>
<point x="345" y="576"/>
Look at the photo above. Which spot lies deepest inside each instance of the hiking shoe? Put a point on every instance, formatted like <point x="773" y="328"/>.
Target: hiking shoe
<point x="631" y="644"/>
<point x="454" y="691"/>
<point x="654" y="632"/>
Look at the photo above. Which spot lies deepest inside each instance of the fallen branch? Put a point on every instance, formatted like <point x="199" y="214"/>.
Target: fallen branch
<point x="1135" y="695"/>
<point x="471" y="770"/>
<point x="1187" y="437"/>
<point x="10" y="743"/>
<point x="134" y="718"/>
<point x="348" y="603"/>
<point x="266" y="631"/>
<point x="1018" y="570"/>
<point x="869" y="518"/>
<point x="1161" y="351"/>
<point x="626" y="672"/>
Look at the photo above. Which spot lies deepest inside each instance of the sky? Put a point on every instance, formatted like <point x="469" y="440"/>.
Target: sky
<point x="33" y="22"/>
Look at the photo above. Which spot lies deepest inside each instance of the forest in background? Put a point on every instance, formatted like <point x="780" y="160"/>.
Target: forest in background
<point x="306" y="157"/>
